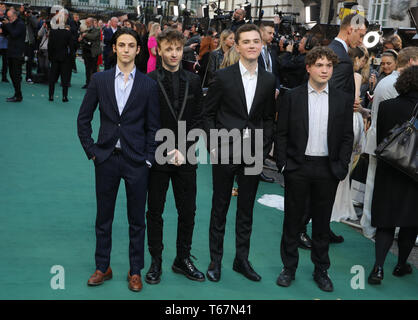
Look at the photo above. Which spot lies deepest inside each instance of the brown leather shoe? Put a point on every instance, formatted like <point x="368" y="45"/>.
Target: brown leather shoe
<point x="135" y="282"/>
<point x="99" y="277"/>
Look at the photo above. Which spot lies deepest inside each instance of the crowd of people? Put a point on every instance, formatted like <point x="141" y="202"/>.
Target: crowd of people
<point x="322" y="108"/>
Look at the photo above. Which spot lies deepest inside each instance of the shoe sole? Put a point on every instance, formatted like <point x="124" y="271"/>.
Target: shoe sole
<point x="374" y="281"/>
<point x="99" y="283"/>
<point x="178" y="270"/>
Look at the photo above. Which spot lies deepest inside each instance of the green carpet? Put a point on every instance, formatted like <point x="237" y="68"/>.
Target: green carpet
<point x="47" y="216"/>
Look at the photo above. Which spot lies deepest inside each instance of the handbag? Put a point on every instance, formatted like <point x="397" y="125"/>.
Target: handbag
<point x="400" y="148"/>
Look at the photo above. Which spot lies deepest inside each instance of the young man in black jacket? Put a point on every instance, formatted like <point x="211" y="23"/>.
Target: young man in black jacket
<point x="180" y="98"/>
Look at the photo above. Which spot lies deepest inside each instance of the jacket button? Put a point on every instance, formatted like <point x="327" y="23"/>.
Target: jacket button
<point x="118" y="124"/>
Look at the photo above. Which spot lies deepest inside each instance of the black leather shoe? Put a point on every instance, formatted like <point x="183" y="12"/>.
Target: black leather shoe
<point x="264" y="178"/>
<point x="14" y="99"/>
<point x="333" y="238"/>
<point x="376" y="276"/>
<point x="185" y="266"/>
<point x="214" y="271"/>
<point x="285" y="278"/>
<point x="304" y="241"/>
<point x="401" y="270"/>
<point x="64" y="99"/>
<point x="244" y="267"/>
<point x="4" y="80"/>
<point x="51" y="98"/>
<point x="323" y="281"/>
<point x="153" y="275"/>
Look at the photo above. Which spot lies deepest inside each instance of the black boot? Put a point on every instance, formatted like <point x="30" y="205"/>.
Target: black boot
<point x="376" y="276"/>
<point x="185" y="266"/>
<point x="64" y="94"/>
<point x="153" y="275"/>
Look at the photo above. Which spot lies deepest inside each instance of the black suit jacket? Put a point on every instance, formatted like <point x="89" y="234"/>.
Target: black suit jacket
<point x="274" y="63"/>
<point x="135" y="127"/>
<point x="190" y="107"/>
<point x="343" y="74"/>
<point x="293" y="130"/>
<point x="60" y="45"/>
<point x="16" y="34"/>
<point x="225" y="106"/>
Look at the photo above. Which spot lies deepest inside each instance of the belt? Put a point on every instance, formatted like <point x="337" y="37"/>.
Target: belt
<point x="317" y="158"/>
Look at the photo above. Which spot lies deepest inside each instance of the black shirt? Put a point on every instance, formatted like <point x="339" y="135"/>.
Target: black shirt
<point x="174" y="79"/>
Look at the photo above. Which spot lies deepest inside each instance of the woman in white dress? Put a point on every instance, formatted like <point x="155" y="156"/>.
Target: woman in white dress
<point x="343" y="206"/>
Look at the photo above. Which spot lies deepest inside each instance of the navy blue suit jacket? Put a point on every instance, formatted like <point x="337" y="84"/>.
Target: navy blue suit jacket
<point x="107" y="40"/>
<point x="343" y="74"/>
<point x="274" y="65"/>
<point x="135" y="127"/>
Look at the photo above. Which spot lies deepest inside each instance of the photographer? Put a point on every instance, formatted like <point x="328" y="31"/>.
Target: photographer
<point x="3" y="47"/>
<point x="43" y="60"/>
<point x="238" y="21"/>
<point x="293" y="69"/>
<point x="31" y="28"/>
<point x="15" y="30"/>
<point x="90" y="45"/>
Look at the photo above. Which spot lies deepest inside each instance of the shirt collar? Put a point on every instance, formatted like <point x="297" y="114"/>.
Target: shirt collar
<point x="131" y="74"/>
<point x="311" y="89"/>
<point x="343" y="43"/>
<point x="244" y="70"/>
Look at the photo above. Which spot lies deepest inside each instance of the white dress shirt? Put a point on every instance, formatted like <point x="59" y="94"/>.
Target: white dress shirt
<point x="318" y="122"/>
<point x="343" y="43"/>
<point x="123" y="90"/>
<point x="249" y="82"/>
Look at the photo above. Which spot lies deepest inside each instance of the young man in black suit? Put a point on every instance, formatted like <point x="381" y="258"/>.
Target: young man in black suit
<point x="241" y="98"/>
<point x="129" y="120"/>
<point x="314" y="142"/>
<point x="180" y="98"/>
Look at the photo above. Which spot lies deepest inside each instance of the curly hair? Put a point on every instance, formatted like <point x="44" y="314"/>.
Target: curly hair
<point x="319" y="52"/>
<point x="407" y="81"/>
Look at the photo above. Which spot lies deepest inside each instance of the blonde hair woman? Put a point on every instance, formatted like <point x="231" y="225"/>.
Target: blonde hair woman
<point x="152" y="47"/>
<point x="230" y="58"/>
<point x="227" y="40"/>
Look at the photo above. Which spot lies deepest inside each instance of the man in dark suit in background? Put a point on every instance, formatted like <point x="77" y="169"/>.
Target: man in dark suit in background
<point x="129" y="120"/>
<point x="107" y="39"/>
<point x="352" y="31"/>
<point x="15" y="30"/>
<point x="267" y="60"/>
<point x="314" y="142"/>
<point x="241" y="98"/>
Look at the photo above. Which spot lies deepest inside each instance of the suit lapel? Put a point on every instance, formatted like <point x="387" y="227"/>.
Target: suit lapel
<point x="305" y="108"/>
<point x="331" y="110"/>
<point x="257" y="93"/>
<point x="111" y="89"/>
<point x="240" y="87"/>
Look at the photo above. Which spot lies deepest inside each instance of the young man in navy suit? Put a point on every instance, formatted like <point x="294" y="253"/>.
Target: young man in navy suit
<point x="129" y="119"/>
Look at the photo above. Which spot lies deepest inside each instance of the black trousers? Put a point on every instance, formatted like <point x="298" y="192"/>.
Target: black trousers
<point x="384" y="240"/>
<point x="15" y="71"/>
<point x="184" y="189"/>
<point x="63" y="69"/>
<point x="91" y="67"/>
<point x="3" y="54"/>
<point x="223" y="181"/>
<point x="314" y="178"/>
<point x="30" y="54"/>
<point x="108" y="176"/>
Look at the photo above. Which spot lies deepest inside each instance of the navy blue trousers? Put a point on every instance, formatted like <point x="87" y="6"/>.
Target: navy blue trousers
<point x="108" y="176"/>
